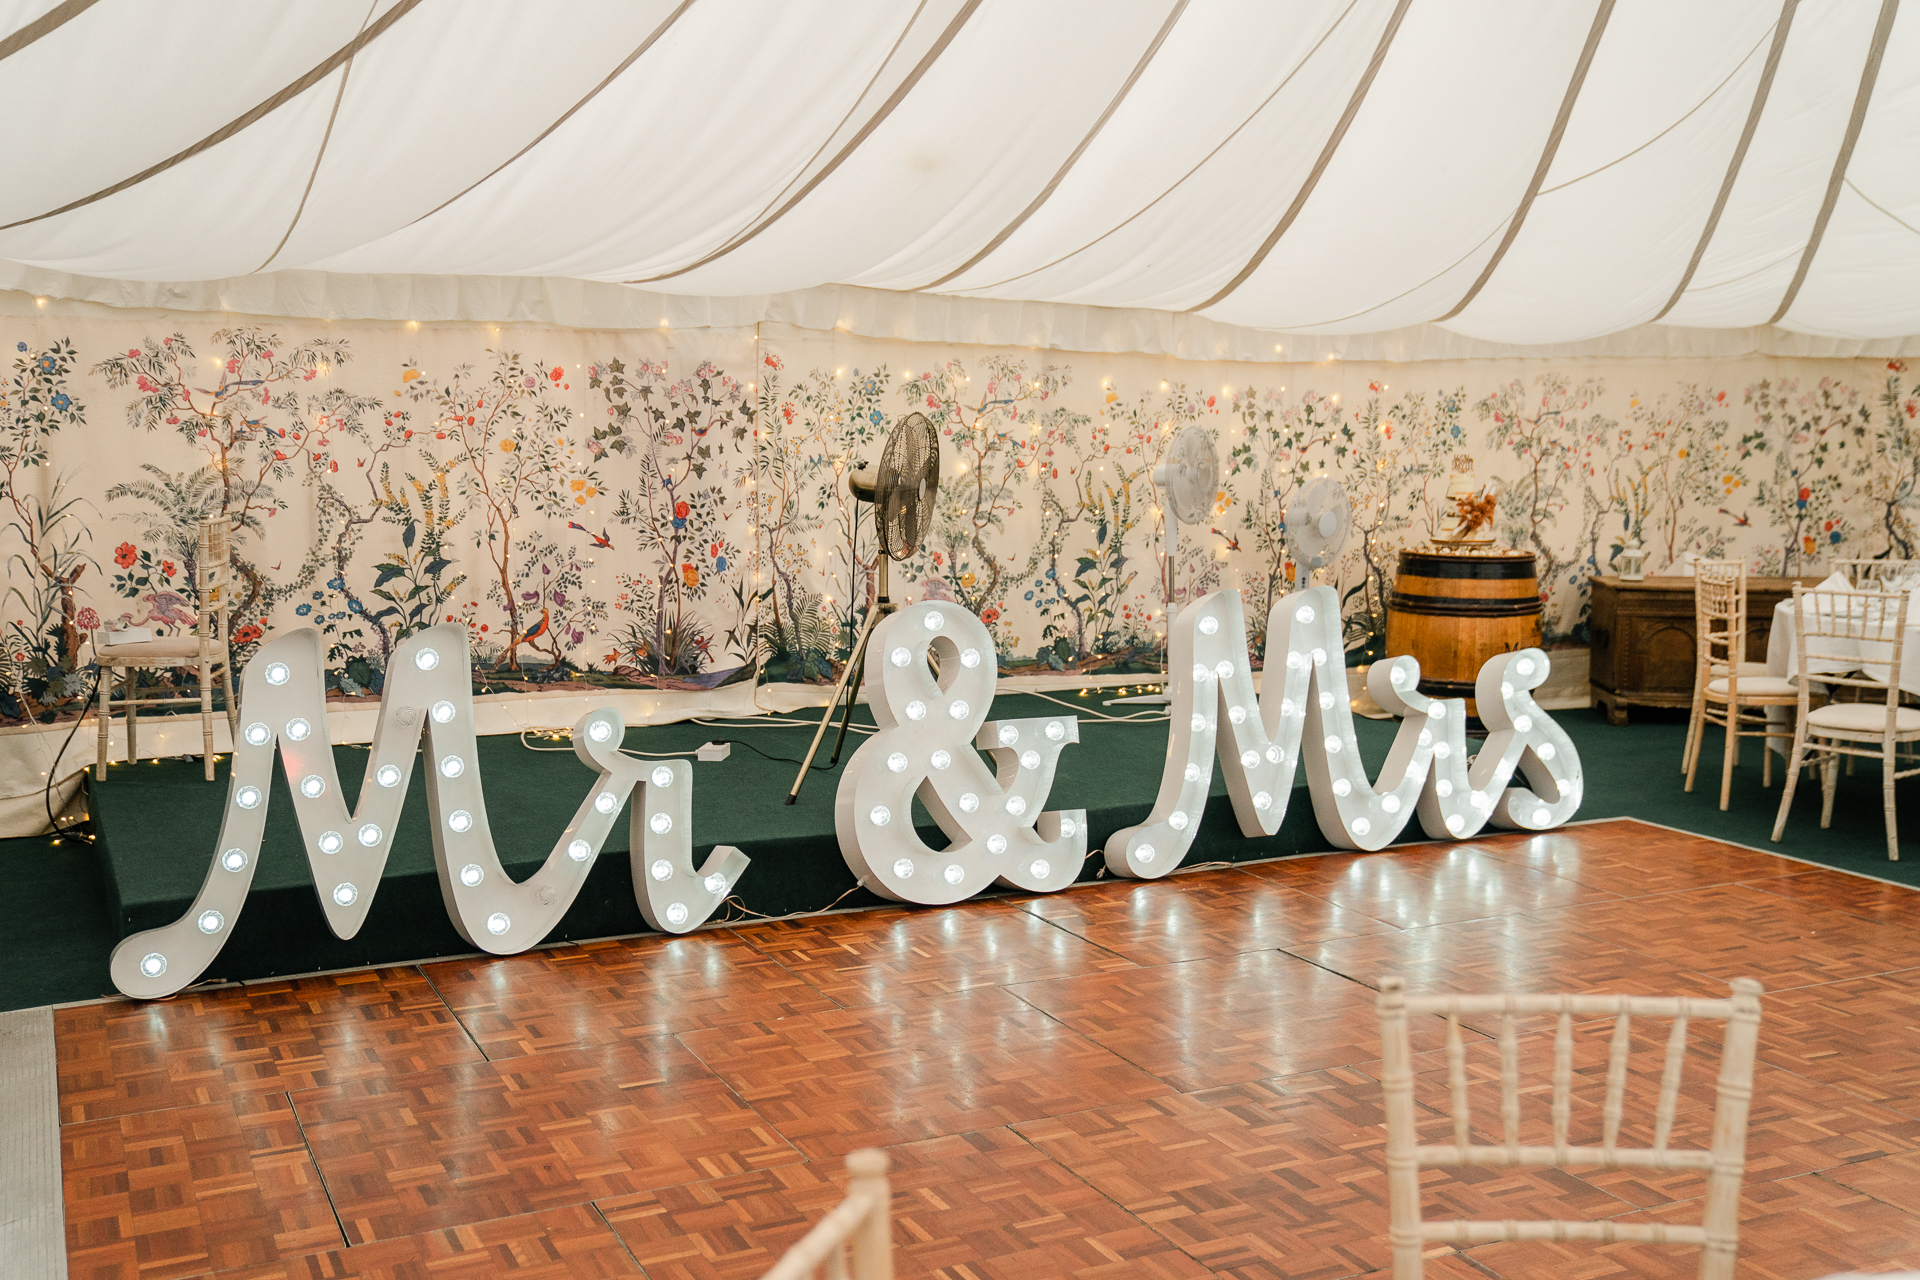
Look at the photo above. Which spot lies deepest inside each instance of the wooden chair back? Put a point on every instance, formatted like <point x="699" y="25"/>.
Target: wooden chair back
<point x="1869" y="574"/>
<point x="1724" y="1162"/>
<point x="862" y="1225"/>
<point x="1720" y="616"/>
<point x="213" y="577"/>
<point x="1832" y="632"/>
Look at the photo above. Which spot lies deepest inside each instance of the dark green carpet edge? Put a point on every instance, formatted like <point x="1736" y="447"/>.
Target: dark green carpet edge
<point x="156" y="824"/>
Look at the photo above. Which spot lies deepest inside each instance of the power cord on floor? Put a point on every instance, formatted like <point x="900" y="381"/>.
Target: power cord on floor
<point x="733" y="903"/>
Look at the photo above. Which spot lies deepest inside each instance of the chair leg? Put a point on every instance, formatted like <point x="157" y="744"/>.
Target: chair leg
<point x="133" y="715"/>
<point x="1794" y="766"/>
<point x="1766" y="763"/>
<point x="106" y="726"/>
<point x="233" y="709"/>
<point x="1695" y="721"/>
<point x="1829" y="783"/>
<point x="1693" y="749"/>
<point x="1731" y="755"/>
<point x="206" y="717"/>
<point x="1887" y="763"/>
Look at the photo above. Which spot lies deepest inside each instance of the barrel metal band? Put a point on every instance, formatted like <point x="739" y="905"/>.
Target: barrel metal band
<point x="1465" y="606"/>
<point x="1424" y="565"/>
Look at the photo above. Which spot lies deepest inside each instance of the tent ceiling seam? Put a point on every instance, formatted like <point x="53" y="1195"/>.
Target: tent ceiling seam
<point x="278" y="100"/>
<point x="906" y="86"/>
<point x="1353" y="315"/>
<point x="652" y="37"/>
<point x="1855" y="187"/>
<point x="1046" y="192"/>
<point x="1754" y="112"/>
<point x="1547" y="153"/>
<point x="1201" y="164"/>
<point x="1300" y="198"/>
<point x="1869" y="74"/>
<point x="327" y="136"/>
<point x="46" y="24"/>
<point x="841" y="123"/>
<point x="1689" y="114"/>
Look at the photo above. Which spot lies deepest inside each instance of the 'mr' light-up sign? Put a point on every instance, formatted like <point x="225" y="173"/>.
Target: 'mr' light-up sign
<point x="929" y="726"/>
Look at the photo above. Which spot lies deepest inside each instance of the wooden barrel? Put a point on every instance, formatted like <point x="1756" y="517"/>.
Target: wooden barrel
<point x="1453" y="610"/>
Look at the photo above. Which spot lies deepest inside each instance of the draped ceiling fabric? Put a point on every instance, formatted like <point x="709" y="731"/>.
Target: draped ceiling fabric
<point x="1512" y="173"/>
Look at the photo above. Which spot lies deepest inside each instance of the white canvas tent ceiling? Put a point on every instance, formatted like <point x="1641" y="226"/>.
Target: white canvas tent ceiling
<point x="1515" y="172"/>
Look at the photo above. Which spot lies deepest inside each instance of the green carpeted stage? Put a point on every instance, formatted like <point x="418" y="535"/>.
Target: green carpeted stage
<point x="157" y="822"/>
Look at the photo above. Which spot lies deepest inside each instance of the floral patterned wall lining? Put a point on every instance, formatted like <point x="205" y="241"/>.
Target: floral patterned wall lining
<point x="668" y="509"/>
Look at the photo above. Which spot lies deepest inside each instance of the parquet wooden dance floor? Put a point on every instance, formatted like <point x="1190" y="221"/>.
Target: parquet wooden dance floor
<point x="1175" y="1079"/>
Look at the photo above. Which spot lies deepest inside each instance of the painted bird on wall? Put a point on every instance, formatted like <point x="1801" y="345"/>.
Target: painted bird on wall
<point x="539" y="629"/>
<point x="171" y="608"/>
<point x="597" y="539"/>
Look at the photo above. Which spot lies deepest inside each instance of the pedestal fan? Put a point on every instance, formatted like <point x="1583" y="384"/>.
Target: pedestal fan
<point x="1188" y="481"/>
<point x="1318" y="520"/>
<point x="901" y="489"/>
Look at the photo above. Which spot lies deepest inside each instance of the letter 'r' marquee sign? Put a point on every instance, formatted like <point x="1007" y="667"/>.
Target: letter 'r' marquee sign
<point x="1525" y="775"/>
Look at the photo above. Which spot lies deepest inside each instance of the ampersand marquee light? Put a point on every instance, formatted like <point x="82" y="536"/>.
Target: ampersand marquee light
<point x="429" y="686"/>
<point x="927" y="729"/>
<point x="1303" y="711"/>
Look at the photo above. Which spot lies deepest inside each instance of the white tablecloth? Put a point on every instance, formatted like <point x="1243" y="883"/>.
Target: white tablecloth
<point x="1872" y="656"/>
<point x="1782" y="660"/>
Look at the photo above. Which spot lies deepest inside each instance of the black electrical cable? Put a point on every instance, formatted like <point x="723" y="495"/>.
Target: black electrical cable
<point x="60" y="832"/>
<point x="776" y="759"/>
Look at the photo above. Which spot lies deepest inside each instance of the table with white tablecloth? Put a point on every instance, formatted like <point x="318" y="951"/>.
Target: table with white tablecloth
<point x="1869" y="656"/>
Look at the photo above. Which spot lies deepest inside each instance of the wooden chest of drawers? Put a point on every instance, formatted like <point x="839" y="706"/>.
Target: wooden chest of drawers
<point x="1643" y="640"/>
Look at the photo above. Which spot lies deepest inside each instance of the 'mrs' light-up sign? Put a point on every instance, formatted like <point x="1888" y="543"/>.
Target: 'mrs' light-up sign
<point x="1302" y="714"/>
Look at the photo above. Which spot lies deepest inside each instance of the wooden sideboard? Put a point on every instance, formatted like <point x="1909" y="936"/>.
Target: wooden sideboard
<point x="1643" y="638"/>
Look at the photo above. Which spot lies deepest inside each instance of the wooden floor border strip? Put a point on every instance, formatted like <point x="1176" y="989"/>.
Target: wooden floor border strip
<point x="33" y="1233"/>
<point x="1750" y="848"/>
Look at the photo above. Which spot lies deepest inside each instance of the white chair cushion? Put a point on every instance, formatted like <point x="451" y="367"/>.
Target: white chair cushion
<point x="1760" y="686"/>
<point x="1861" y="720"/>
<point x="171" y="648"/>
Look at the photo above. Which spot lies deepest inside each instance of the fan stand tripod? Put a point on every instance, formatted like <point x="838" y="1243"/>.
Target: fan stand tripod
<point x="849" y="684"/>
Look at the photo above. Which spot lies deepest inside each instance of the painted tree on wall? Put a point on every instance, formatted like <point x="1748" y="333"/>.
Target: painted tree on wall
<point x="1890" y="487"/>
<point x="1554" y="442"/>
<point x="506" y="437"/>
<point x="1816" y="439"/>
<point x="43" y="648"/>
<point x="242" y="407"/>
<point x="843" y="417"/>
<point x="404" y="491"/>
<point x="996" y="433"/>
<point x="1672" y="463"/>
<point x="1082" y="584"/>
<point x="1395" y="457"/>
<point x="1273" y="454"/>
<point x="798" y="632"/>
<point x="691" y="442"/>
